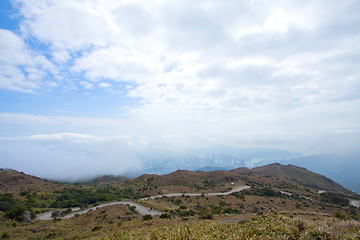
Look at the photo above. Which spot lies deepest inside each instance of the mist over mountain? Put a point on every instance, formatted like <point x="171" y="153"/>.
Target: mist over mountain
<point x="342" y="168"/>
<point x="217" y="156"/>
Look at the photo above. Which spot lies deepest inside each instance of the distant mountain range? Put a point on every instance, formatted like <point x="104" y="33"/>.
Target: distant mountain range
<point x="219" y="156"/>
<point x="342" y="168"/>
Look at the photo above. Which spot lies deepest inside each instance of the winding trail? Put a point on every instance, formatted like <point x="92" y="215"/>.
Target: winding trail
<point x="142" y="210"/>
<point x="237" y="189"/>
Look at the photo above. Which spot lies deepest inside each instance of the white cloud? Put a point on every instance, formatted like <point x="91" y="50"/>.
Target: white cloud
<point x="105" y="85"/>
<point x="119" y="64"/>
<point x="219" y="69"/>
<point x="21" y="69"/>
<point x="68" y="24"/>
<point x="87" y="85"/>
<point x="68" y="156"/>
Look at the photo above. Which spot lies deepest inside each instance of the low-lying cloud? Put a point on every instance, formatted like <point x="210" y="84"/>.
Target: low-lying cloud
<point x="67" y="156"/>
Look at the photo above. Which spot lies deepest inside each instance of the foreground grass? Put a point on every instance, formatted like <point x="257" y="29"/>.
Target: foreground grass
<point x="262" y="227"/>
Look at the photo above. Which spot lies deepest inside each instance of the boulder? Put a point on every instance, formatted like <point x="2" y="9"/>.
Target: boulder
<point x="27" y="216"/>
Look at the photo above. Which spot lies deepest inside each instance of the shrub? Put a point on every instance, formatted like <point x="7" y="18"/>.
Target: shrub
<point x="178" y="201"/>
<point x="132" y="208"/>
<point x="16" y="213"/>
<point x="335" y="198"/>
<point x="147" y="217"/>
<point x="165" y="216"/>
<point x="265" y="192"/>
<point x="5" y="236"/>
<point x="340" y="215"/>
<point x="187" y="213"/>
<point x="206" y="216"/>
<point x="55" y="213"/>
<point x="6" y="202"/>
<point x="96" y="228"/>
<point x="67" y="211"/>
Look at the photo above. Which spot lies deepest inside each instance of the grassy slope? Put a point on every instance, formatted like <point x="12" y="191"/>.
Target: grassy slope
<point x="295" y="175"/>
<point x="184" y="181"/>
<point x="111" y="225"/>
<point x="17" y="182"/>
<point x="263" y="227"/>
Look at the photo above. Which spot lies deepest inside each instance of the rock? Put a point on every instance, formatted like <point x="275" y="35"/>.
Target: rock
<point x="34" y="230"/>
<point x="27" y="216"/>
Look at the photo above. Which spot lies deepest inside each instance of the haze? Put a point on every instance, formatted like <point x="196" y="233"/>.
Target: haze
<point x="85" y="85"/>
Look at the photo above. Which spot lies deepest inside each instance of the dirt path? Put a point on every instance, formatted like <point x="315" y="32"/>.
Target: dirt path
<point x="141" y="209"/>
<point x="237" y="189"/>
<point x="47" y="215"/>
<point x="355" y="203"/>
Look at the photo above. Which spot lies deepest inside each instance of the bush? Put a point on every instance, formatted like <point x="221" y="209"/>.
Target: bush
<point x="72" y="197"/>
<point x="229" y="210"/>
<point x="165" y="216"/>
<point x="206" y="216"/>
<point x="265" y="192"/>
<point x="186" y="213"/>
<point x="55" y="213"/>
<point x="16" y="213"/>
<point x="67" y="211"/>
<point x="147" y="217"/>
<point x="6" y="202"/>
<point x="96" y="228"/>
<point x="5" y="236"/>
<point x="335" y="198"/>
<point x="340" y="215"/>
<point x="178" y="201"/>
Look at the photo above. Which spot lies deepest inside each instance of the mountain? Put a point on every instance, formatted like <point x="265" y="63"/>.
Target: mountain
<point x="19" y="183"/>
<point x="219" y="156"/>
<point x="210" y="169"/>
<point x="104" y="180"/>
<point x="282" y="192"/>
<point x="343" y="168"/>
<point x="295" y="175"/>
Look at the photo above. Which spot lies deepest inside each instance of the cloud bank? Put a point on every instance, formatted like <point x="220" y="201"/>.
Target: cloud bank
<point x="68" y="157"/>
<point x="276" y="74"/>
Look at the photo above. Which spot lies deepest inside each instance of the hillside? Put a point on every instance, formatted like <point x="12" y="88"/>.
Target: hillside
<point x="219" y="156"/>
<point x="295" y="175"/>
<point x="342" y="168"/>
<point x="278" y="190"/>
<point x="184" y="181"/>
<point x="19" y="183"/>
<point x="104" y="180"/>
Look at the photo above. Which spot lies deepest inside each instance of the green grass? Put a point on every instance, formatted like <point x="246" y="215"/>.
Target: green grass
<point x="262" y="227"/>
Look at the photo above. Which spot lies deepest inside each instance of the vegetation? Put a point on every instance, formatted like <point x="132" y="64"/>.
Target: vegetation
<point x="266" y="192"/>
<point x="12" y="208"/>
<point x="328" y="215"/>
<point x="261" y="227"/>
<point x="336" y="198"/>
<point x="73" y="197"/>
<point x="147" y="217"/>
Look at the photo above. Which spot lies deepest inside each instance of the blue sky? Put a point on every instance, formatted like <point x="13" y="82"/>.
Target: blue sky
<point x="177" y="74"/>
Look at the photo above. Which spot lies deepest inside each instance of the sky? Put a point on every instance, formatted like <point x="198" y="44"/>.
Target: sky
<point x="90" y="82"/>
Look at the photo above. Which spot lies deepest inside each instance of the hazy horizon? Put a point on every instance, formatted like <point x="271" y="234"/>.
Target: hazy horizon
<point x="86" y="84"/>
